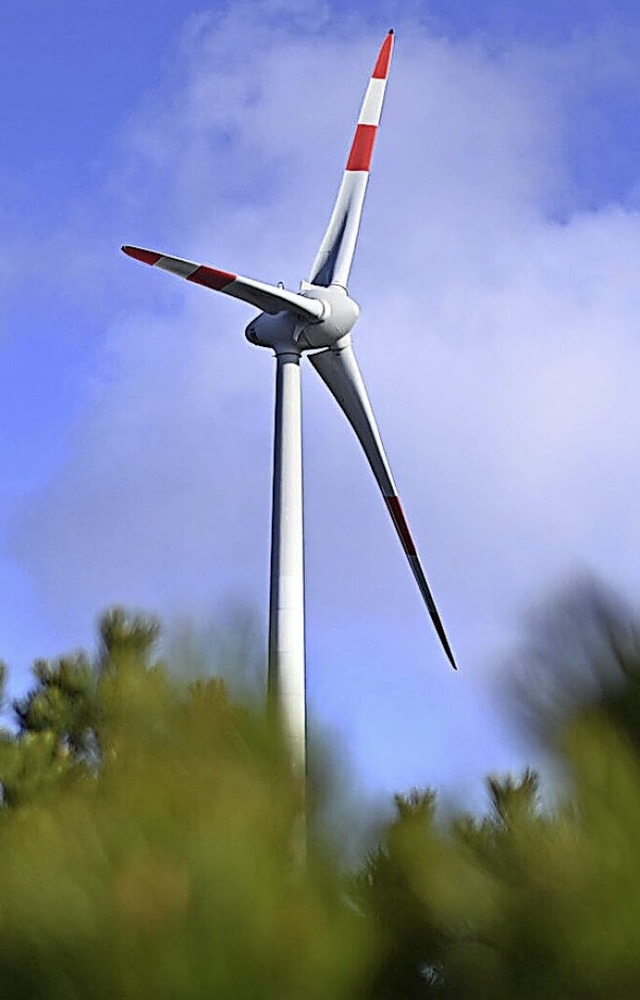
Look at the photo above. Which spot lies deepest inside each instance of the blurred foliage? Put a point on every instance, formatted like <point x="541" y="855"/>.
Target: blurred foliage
<point x="581" y="650"/>
<point x="528" y="903"/>
<point x="150" y="832"/>
<point x="148" y="843"/>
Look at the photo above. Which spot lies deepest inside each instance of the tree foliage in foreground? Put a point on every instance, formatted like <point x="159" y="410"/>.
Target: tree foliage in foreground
<point x="148" y="845"/>
<point x="529" y="903"/>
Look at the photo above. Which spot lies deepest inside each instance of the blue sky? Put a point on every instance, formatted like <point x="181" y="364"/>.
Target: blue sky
<point x="499" y="336"/>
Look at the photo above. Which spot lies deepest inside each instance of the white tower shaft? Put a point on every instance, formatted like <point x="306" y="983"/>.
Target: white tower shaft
<point x="286" y="613"/>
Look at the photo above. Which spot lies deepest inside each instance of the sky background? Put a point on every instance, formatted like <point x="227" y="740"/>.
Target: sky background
<point x="499" y="337"/>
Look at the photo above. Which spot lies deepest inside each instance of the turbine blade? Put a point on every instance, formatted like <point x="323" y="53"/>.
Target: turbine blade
<point x="267" y="298"/>
<point x="340" y="372"/>
<point x="333" y="260"/>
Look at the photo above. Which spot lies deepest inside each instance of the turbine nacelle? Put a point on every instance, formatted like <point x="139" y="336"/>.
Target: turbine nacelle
<point x="288" y="329"/>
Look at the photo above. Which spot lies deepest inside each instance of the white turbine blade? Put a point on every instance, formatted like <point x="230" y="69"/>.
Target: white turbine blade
<point x="267" y="298"/>
<point x="341" y="374"/>
<point x="333" y="260"/>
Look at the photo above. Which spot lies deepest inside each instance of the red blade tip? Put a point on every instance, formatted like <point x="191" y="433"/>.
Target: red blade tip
<point x="146" y="256"/>
<point x="381" y="68"/>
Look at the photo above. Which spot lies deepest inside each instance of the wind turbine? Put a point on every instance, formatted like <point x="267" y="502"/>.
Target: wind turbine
<point x="316" y="321"/>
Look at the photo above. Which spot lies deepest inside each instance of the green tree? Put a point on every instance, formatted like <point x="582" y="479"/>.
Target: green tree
<point x="146" y="842"/>
<point x="528" y="903"/>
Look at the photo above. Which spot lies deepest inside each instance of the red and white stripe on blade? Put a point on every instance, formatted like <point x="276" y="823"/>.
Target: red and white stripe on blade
<point x="267" y="298"/>
<point x="333" y="260"/>
<point x="340" y="372"/>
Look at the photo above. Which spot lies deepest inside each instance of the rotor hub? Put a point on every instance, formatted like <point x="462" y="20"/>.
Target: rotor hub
<point x="288" y="330"/>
